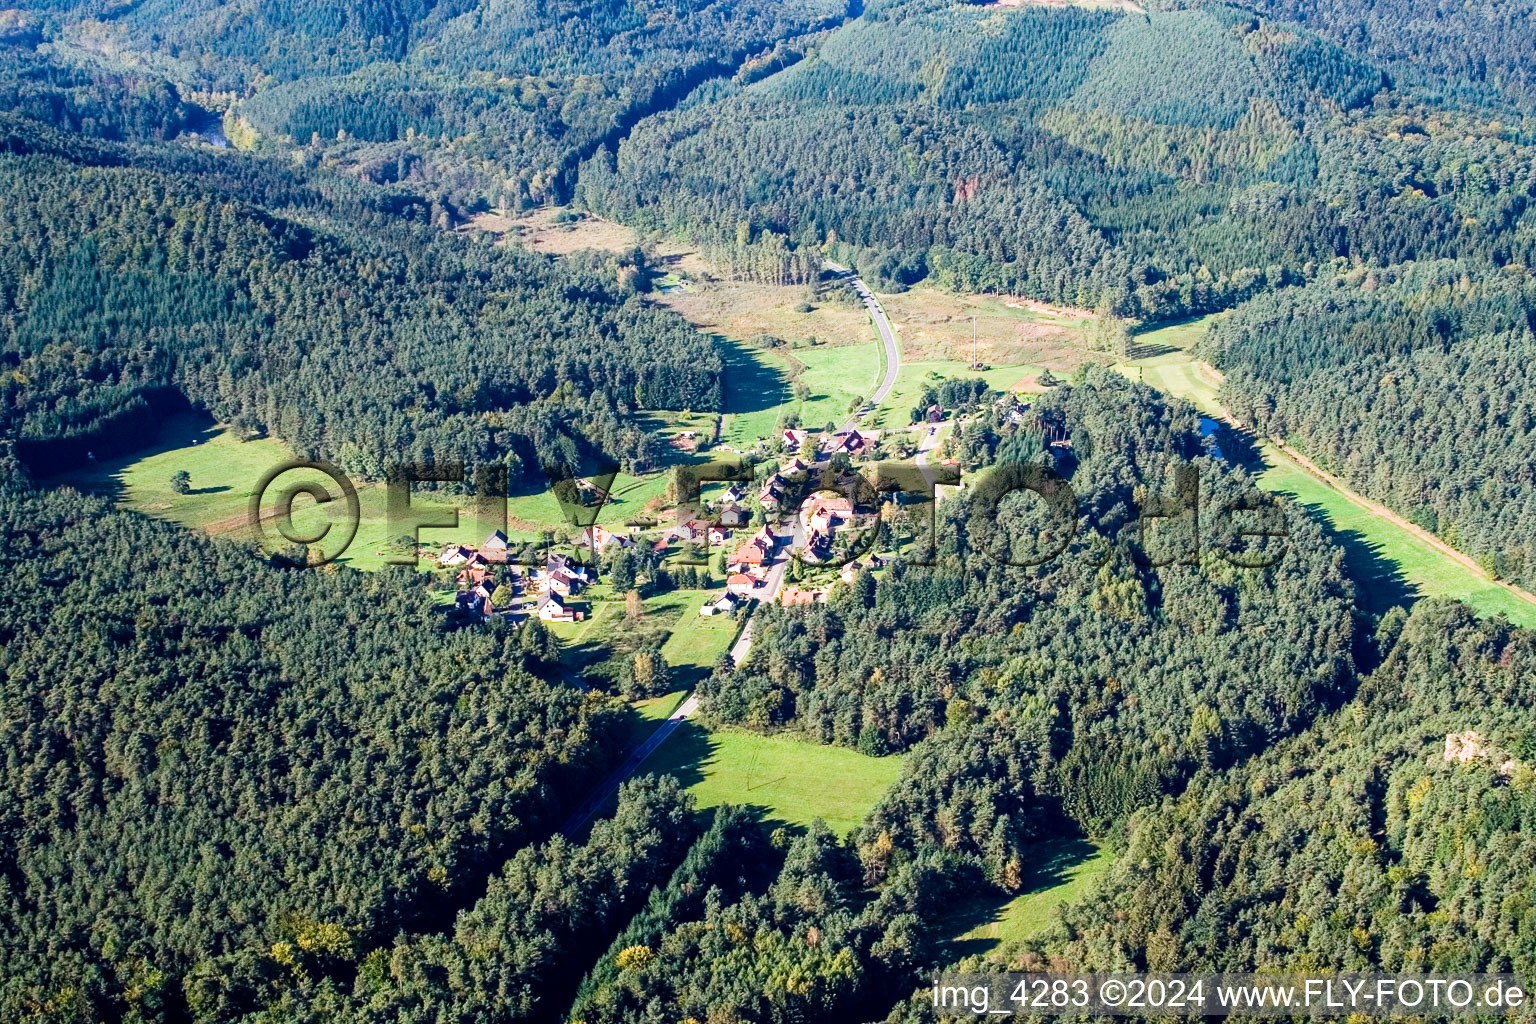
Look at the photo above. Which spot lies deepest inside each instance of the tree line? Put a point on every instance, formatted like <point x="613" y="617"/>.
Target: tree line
<point x="1411" y="384"/>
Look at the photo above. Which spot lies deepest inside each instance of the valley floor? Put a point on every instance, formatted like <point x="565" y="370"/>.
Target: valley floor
<point x="1393" y="560"/>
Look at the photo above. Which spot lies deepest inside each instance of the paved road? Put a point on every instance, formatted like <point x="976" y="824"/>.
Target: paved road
<point x="616" y="778"/>
<point x="887" y="338"/>
<point x="774" y="581"/>
<point x="925" y="447"/>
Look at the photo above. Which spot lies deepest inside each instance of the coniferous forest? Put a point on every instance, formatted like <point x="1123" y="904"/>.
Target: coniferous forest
<point x="238" y="792"/>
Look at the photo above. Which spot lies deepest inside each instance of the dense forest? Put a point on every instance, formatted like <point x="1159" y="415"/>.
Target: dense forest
<point x="485" y="102"/>
<point x="1413" y="384"/>
<point x="215" y="770"/>
<point x="1400" y="851"/>
<point x="1480" y="50"/>
<point x="1393" y="835"/>
<point x="1157" y="166"/>
<point x="351" y="334"/>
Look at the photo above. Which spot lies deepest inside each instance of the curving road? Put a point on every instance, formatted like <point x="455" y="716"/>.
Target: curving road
<point x="887" y="338"/>
<point x="690" y="704"/>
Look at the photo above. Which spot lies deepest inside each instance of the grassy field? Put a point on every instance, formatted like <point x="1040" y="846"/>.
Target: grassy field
<point x="791" y="781"/>
<point x="836" y="377"/>
<point x="937" y="325"/>
<point x="690" y="643"/>
<point x="756" y="387"/>
<point x="759" y="391"/>
<point x="650" y="713"/>
<point x="697" y="641"/>
<point x="1393" y="566"/>
<point x="1062" y="871"/>
<point x="741" y="309"/>
<point x="225" y="471"/>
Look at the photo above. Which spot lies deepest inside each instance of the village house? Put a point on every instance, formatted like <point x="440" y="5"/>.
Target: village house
<point x="561" y="581"/>
<point x="718" y="535"/>
<point x="853" y="442"/>
<point x="556" y="562"/>
<point x="472" y="576"/>
<point x="722" y="605"/>
<point x="794" y="438"/>
<point x="818" y="545"/>
<point x="795" y="467"/>
<point x="853" y="568"/>
<point x="824" y="511"/>
<point x="750" y="553"/>
<point x="597" y="538"/>
<point x="790" y="596"/>
<point x="734" y="516"/>
<point x="771" y="494"/>
<point x="455" y="554"/>
<point x="475" y="601"/>
<point x="551" y="608"/>
<point x="740" y="583"/>
<point x="733" y="495"/>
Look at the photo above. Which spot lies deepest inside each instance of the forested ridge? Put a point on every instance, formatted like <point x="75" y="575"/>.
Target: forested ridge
<point x="1397" y="853"/>
<point x="1393" y="835"/>
<point x="350" y="335"/>
<point x="1152" y="166"/>
<point x="1480" y="50"/>
<point x="486" y="102"/>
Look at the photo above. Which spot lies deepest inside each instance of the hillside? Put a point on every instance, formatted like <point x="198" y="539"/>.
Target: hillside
<point x="141" y="279"/>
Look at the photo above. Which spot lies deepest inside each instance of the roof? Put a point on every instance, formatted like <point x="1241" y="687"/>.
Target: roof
<point x="749" y="552"/>
<point x="547" y="598"/>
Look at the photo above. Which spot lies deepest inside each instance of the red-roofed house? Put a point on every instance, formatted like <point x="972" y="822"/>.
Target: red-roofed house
<point x="750" y="553"/>
<point x="852" y="442"/>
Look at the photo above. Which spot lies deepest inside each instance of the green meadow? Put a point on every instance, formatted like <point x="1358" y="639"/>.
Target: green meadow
<point x="759" y="387"/>
<point x="837" y="378"/>
<point x="790" y="780"/>
<point x="224" y="472"/>
<point x="1392" y="566"/>
<point x="1060" y="871"/>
